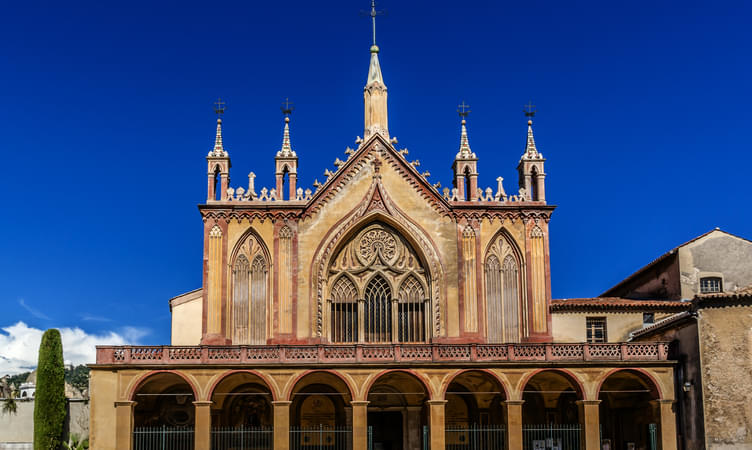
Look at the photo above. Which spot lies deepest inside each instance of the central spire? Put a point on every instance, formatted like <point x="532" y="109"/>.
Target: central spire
<point x="374" y="93"/>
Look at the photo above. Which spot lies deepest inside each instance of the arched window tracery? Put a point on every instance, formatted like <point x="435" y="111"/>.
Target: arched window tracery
<point x="504" y="294"/>
<point x="248" y="305"/>
<point x="377" y="289"/>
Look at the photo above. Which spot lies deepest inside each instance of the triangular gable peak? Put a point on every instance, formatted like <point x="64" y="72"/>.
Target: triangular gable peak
<point x="378" y="152"/>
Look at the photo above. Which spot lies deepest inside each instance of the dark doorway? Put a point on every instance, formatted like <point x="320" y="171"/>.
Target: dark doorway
<point x="387" y="430"/>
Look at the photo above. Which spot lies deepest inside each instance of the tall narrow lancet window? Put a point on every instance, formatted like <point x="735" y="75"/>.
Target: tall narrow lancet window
<point x="259" y="282"/>
<point x="344" y="315"/>
<point x="411" y="311"/>
<point x="378" y="311"/>
<point x="378" y="289"/>
<point x="504" y="295"/>
<point x="250" y="287"/>
<point x="511" y="299"/>
<point x="240" y="303"/>
<point x="538" y="263"/>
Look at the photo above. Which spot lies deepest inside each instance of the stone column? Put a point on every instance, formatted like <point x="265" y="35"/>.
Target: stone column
<point x="668" y="424"/>
<point x="590" y="420"/>
<point x="293" y="184"/>
<point x="395" y="320"/>
<point x="202" y="430"/>
<point x="436" y="420"/>
<point x="360" y="425"/>
<point x="460" y="187"/>
<point x="513" y="410"/>
<point x="124" y="425"/>
<point x="473" y="194"/>
<point x="225" y="179"/>
<point x="541" y="187"/>
<point x="281" y="425"/>
<point x="361" y="320"/>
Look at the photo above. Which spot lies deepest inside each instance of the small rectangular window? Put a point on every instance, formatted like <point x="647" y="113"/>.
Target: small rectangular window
<point x="648" y="318"/>
<point x="596" y="329"/>
<point x="709" y="285"/>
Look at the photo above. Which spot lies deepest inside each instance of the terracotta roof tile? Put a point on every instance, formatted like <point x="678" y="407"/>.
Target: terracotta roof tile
<point x="616" y="304"/>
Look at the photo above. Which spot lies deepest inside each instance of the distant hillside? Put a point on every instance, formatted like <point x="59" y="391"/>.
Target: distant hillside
<point x="77" y="376"/>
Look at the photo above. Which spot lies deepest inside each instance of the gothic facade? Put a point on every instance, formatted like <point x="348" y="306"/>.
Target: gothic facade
<point x="381" y="308"/>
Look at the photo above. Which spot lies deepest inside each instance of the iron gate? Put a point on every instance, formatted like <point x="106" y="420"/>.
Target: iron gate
<point x="163" y="438"/>
<point x="551" y="437"/>
<point x="475" y="437"/>
<point x="242" y="438"/>
<point x="320" y="438"/>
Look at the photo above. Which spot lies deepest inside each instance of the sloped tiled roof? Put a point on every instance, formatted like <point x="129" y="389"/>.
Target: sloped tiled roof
<point x="616" y="304"/>
<point x="662" y="257"/>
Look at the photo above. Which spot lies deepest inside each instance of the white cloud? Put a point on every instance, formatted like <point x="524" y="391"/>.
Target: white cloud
<point x="19" y="345"/>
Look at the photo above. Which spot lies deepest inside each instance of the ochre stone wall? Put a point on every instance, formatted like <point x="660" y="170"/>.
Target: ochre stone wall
<point x="570" y="326"/>
<point x="117" y="387"/>
<point x="295" y="287"/>
<point x="725" y="336"/>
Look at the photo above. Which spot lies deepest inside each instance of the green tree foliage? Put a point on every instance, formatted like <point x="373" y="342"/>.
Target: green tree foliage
<point x="49" y="404"/>
<point x="78" y="377"/>
<point x="9" y="404"/>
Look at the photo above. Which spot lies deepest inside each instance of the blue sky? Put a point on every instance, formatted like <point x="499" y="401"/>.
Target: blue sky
<point x="643" y="115"/>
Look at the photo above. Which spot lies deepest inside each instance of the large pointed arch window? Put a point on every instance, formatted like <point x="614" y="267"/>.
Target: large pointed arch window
<point x="377" y="289"/>
<point x="504" y="295"/>
<point x="250" y="287"/>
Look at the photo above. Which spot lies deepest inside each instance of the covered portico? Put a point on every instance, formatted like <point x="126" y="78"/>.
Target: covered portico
<point x="427" y="392"/>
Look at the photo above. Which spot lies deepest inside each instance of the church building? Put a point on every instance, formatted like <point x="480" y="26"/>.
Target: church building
<point x="376" y="310"/>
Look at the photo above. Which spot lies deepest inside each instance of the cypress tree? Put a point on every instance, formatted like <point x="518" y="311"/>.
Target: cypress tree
<point x="49" y="400"/>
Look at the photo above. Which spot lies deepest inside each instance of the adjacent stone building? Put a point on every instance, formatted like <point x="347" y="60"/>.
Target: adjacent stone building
<point x="378" y="310"/>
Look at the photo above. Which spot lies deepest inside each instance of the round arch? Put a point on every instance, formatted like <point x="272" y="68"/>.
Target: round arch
<point x="417" y="376"/>
<point x="627" y="408"/>
<point x="642" y="374"/>
<point x="571" y="377"/>
<point x="296" y="383"/>
<point x="262" y="378"/>
<point x="501" y="383"/>
<point x="142" y="380"/>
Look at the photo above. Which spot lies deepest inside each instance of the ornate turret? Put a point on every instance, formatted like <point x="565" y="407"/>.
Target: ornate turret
<point x="374" y="93"/>
<point x="218" y="161"/>
<point x="286" y="161"/>
<point x="530" y="168"/>
<point x="465" y="164"/>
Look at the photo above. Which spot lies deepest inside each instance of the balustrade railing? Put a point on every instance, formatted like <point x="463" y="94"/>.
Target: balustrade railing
<point x="384" y="353"/>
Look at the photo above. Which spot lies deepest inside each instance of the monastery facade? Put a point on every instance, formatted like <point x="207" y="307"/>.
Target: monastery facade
<point x="378" y="311"/>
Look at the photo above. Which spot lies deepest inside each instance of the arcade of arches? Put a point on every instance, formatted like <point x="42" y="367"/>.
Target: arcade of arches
<point x="405" y="407"/>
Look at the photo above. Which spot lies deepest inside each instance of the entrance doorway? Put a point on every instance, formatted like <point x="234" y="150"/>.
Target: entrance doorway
<point x="386" y="427"/>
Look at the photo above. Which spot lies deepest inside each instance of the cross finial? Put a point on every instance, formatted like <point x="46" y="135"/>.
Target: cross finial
<point x="219" y="107"/>
<point x="287" y="107"/>
<point x="372" y="14"/>
<point x="529" y="110"/>
<point x="463" y="110"/>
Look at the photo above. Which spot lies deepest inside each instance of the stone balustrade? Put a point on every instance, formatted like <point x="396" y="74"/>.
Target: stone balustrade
<point x="382" y="353"/>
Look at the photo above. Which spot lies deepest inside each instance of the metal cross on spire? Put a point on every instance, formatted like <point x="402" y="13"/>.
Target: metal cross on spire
<point x="287" y="107"/>
<point x="529" y="110"/>
<point x="463" y="110"/>
<point x="373" y="13"/>
<point x="219" y="107"/>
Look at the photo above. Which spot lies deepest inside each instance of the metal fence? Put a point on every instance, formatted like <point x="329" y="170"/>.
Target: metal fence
<point x="163" y="438"/>
<point x="242" y="438"/>
<point x="475" y="437"/>
<point x="551" y="437"/>
<point x="320" y="438"/>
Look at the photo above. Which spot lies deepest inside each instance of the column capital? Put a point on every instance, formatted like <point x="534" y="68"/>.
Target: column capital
<point x="130" y="403"/>
<point x="588" y="402"/>
<point x="513" y="402"/>
<point x="203" y="403"/>
<point x="436" y="402"/>
<point x="359" y="403"/>
<point x="281" y="402"/>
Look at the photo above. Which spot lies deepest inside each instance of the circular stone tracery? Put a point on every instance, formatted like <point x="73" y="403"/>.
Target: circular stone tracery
<point x="377" y="241"/>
